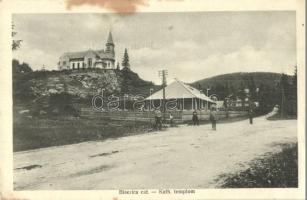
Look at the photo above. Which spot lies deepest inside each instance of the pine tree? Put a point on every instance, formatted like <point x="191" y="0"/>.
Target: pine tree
<point x="118" y="68"/>
<point x="125" y="62"/>
<point x="284" y="89"/>
<point x="252" y="87"/>
<point x="294" y="93"/>
<point x="263" y="103"/>
<point x="241" y="93"/>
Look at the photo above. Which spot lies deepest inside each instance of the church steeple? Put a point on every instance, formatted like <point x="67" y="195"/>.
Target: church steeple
<point x="110" y="45"/>
<point x="110" y="39"/>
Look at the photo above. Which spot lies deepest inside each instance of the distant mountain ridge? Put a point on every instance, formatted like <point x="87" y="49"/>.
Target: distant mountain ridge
<point x="235" y="79"/>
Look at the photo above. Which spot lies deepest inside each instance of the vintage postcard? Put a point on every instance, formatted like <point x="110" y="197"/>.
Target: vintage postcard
<point x="146" y="99"/>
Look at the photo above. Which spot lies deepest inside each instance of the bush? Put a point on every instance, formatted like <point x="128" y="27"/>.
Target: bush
<point x="280" y="170"/>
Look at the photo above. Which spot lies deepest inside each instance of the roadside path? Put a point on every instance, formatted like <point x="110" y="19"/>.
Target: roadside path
<point x="182" y="157"/>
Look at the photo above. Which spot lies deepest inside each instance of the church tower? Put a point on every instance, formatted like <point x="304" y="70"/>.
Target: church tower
<point x="110" y="53"/>
<point x="110" y="45"/>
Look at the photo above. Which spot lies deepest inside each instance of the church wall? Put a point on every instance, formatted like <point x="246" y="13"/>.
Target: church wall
<point x="76" y="64"/>
<point x="99" y="65"/>
<point x="93" y="60"/>
<point x="63" y="63"/>
<point x="109" y="64"/>
<point x="104" y="59"/>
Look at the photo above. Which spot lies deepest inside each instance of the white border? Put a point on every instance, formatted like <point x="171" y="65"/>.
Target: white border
<point x="7" y="7"/>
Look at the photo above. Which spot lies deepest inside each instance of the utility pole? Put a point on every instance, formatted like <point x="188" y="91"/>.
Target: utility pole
<point x="150" y="93"/>
<point x="163" y="74"/>
<point x="207" y="106"/>
<point x="282" y="109"/>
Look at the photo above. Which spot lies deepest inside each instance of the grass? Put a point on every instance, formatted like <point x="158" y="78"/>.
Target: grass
<point x="279" y="170"/>
<point x="33" y="133"/>
<point x="38" y="133"/>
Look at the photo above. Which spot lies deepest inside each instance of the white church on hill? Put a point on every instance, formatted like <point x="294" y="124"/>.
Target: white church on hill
<point x="104" y="58"/>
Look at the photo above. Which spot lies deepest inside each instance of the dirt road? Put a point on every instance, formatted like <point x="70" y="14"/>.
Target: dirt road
<point x="182" y="157"/>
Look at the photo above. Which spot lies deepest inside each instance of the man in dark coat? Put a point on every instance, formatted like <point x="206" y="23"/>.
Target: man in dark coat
<point x="250" y="115"/>
<point x="158" y="119"/>
<point x="195" y="118"/>
<point x="213" y="117"/>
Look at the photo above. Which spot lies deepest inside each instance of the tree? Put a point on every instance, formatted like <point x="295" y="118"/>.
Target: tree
<point x="16" y="43"/>
<point x="220" y="91"/>
<point x="118" y="68"/>
<point x="266" y="98"/>
<point x="252" y="87"/>
<point x="285" y="104"/>
<point x="262" y="98"/>
<point x="241" y="93"/>
<point x="232" y="90"/>
<point x="125" y="62"/>
<point x="20" y="67"/>
<point x="294" y="79"/>
<point x="293" y="94"/>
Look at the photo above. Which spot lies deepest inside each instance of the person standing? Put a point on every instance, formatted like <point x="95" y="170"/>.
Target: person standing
<point x="171" y="117"/>
<point x="213" y="117"/>
<point x="250" y="115"/>
<point x="195" y="118"/>
<point x="158" y="119"/>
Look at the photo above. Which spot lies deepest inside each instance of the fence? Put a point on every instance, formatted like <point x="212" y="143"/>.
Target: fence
<point x="178" y="115"/>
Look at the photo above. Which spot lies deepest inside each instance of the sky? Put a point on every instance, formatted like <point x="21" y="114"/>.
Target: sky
<point x="190" y="45"/>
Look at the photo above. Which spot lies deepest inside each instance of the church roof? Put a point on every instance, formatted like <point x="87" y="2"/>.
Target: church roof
<point x="179" y="90"/>
<point x="106" y="55"/>
<point x="102" y="54"/>
<point x="81" y="54"/>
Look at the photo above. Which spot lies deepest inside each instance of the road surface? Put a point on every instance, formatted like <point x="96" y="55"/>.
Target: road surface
<point x="181" y="157"/>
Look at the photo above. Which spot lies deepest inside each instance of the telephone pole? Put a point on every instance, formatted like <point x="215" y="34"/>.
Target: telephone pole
<point x="163" y="74"/>
<point x="282" y="107"/>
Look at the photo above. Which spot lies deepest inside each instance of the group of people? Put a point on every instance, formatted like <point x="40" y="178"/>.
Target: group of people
<point x="158" y="119"/>
<point x="212" y="117"/>
<point x="195" y="119"/>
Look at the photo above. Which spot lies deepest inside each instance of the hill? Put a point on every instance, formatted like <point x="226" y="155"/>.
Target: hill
<point x="48" y="90"/>
<point x="236" y="79"/>
<point x="268" y="89"/>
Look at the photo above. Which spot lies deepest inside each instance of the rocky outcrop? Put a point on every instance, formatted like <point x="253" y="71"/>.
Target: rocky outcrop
<point x="81" y="84"/>
<point x="39" y="87"/>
